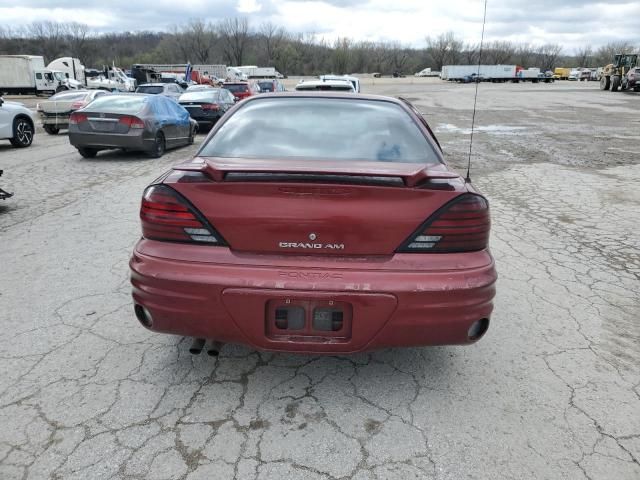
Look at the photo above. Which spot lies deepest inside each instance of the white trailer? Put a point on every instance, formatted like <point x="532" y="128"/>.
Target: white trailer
<point x="26" y="74"/>
<point x="488" y="72"/>
<point x="252" y="71"/>
<point x="491" y="73"/>
<point x="529" y="73"/>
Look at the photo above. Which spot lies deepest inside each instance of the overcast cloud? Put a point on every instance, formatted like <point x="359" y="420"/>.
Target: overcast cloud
<point x="571" y="23"/>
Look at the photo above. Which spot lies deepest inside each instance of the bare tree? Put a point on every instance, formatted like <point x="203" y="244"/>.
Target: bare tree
<point x="273" y="36"/>
<point x="584" y="56"/>
<point x="341" y="55"/>
<point x="525" y="55"/>
<point x="548" y="55"/>
<point x="498" y="53"/>
<point x="444" y="49"/>
<point x="470" y="53"/>
<point x="76" y="35"/>
<point x="604" y="55"/>
<point x="50" y="35"/>
<point x="196" y="39"/>
<point x="397" y="55"/>
<point x="234" y="33"/>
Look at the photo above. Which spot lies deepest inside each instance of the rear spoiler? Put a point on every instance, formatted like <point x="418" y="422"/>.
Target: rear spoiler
<point x="392" y="174"/>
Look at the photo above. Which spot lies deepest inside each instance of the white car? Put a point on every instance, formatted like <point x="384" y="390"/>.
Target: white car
<point x="355" y="81"/>
<point x="342" y="85"/>
<point x="17" y="123"/>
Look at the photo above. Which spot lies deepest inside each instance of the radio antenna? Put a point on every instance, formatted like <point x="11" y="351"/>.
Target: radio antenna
<point x="475" y="98"/>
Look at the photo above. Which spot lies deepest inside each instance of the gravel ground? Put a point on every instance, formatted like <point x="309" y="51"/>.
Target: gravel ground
<point x="551" y="392"/>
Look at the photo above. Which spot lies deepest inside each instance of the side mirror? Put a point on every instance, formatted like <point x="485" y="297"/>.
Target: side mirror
<point x="236" y="99"/>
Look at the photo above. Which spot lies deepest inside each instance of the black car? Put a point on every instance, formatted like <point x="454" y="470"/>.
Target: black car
<point x="207" y="106"/>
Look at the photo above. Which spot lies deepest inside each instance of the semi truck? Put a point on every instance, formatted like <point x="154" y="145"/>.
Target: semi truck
<point x="492" y="73"/>
<point x="26" y="74"/>
<point x="109" y="78"/>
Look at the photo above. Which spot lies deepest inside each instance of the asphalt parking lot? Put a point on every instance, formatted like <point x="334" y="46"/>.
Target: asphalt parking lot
<point x="551" y="392"/>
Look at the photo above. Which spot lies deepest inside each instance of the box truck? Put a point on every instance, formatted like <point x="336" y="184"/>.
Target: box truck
<point x="26" y="74"/>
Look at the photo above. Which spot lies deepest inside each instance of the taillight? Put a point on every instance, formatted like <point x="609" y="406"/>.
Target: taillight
<point x="165" y="215"/>
<point x="462" y="225"/>
<point x="209" y="106"/>
<point x="77" y="118"/>
<point x="78" y="105"/>
<point x="131" y="122"/>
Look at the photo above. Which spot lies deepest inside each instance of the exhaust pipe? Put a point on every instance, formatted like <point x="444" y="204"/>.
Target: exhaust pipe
<point x="196" y="346"/>
<point x="213" y="350"/>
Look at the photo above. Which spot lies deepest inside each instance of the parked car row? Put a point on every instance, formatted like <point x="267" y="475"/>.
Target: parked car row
<point x="158" y="116"/>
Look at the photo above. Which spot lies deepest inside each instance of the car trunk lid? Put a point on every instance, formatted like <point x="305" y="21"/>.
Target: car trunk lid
<point x="105" y="122"/>
<point x="319" y="207"/>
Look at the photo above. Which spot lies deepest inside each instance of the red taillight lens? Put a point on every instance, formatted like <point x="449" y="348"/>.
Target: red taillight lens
<point x="209" y="106"/>
<point x="77" y="118"/>
<point x="131" y="122"/>
<point x="78" y="105"/>
<point x="165" y="215"/>
<point x="462" y="225"/>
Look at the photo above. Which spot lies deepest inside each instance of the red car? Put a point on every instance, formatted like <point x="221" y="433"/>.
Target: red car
<point x="317" y="223"/>
<point x="242" y="90"/>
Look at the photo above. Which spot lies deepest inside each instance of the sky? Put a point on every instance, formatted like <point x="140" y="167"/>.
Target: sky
<point x="571" y="23"/>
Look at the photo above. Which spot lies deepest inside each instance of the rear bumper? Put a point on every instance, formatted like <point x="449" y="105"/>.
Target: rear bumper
<point x="206" y="119"/>
<point x="60" y="120"/>
<point x="135" y="141"/>
<point x="396" y="301"/>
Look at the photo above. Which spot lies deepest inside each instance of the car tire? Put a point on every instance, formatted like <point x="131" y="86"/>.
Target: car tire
<point x="605" y="83"/>
<point x="159" y="146"/>
<point x="87" y="152"/>
<point x="22" y="132"/>
<point x="61" y="89"/>
<point x="51" y="130"/>
<point x="615" y="83"/>
<point x="192" y="135"/>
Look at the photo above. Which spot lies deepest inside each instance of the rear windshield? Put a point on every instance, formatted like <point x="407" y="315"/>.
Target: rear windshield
<point x="118" y="104"/>
<point x="236" y="88"/>
<point x="266" y="86"/>
<point x="154" y="89"/>
<point x="321" y="128"/>
<point x="200" y="96"/>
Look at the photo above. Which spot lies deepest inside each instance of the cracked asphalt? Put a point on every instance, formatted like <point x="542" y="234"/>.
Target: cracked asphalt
<point x="551" y="392"/>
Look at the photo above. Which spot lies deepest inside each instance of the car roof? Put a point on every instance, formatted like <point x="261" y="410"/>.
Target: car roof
<point x="155" y="84"/>
<point x="338" y="77"/>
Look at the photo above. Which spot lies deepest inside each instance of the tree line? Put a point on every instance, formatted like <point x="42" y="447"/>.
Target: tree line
<point x="234" y="41"/>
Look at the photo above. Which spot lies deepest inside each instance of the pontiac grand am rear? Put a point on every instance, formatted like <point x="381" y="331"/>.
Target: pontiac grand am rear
<point x="318" y="223"/>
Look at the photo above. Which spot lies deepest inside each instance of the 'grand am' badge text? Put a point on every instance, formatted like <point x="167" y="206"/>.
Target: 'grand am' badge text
<point x="312" y="246"/>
